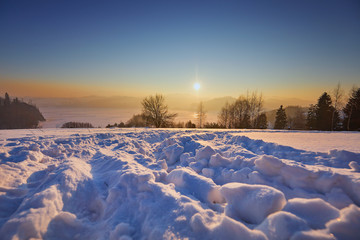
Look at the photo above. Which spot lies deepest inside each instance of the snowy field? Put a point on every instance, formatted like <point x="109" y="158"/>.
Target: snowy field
<point x="178" y="184"/>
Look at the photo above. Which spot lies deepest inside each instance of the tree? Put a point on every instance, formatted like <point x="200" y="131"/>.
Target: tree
<point x="280" y="120"/>
<point x="201" y="115"/>
<point x="77" y="125"/>
<point x="261" y="122"/>
<point x="324" y="112"/>
<point x="256" y="106"/>
<point x="7" y="99"/>
<point x="137" y="120"/>
<point x="224" y="116"/>
<point x="298" y="120"/>
<point x="337" y="96"/>
<point x="243" y="113"/>
<point x="311" y="117"/>
<point x="17" y="114"/>
<point x="352" y="111"/>
<point x="156" y="111"/>
<point x="212" y="125"/>
<point x="189" y="124"/>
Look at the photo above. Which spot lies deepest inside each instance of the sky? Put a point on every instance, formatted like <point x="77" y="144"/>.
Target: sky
<point x="282" y="48"/>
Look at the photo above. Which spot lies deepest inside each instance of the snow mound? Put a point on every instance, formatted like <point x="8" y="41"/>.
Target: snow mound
<point x="316" y="211"/>
<point x="251" y="203"/>
<point x="211" y="227"/>
<point x="269" y="165"/>
<point x="347" y="226"/>
<point x="282" y="225"/>
<point x="200" y="187"/>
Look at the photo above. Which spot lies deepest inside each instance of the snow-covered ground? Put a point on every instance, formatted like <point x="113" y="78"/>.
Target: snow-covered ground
<point x="178" y="184"/>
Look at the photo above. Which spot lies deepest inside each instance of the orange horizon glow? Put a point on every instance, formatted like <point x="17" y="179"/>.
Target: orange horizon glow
<point x="42" y="89"/>
<point x="49" y="89"/>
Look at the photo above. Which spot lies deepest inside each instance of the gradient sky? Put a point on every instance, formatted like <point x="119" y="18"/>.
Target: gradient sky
<point x="281" y="48"/>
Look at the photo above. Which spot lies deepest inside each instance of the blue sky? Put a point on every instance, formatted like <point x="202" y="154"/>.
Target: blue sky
<point x="292" y="48"/>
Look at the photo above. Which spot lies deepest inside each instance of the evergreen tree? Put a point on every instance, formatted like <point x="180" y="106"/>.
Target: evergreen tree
<point x="298" y="121"/>
<point x="311" y="117"/>
<point x="352" y="111"/>
<point x="261" y="122"/>
<point x="280" y="120"/>
<point x="189" y="124"/>
<point x="7" y="99"/>
<point x="324" y="113"/>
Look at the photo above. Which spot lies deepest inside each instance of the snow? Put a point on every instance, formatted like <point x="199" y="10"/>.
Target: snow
<point x="251" y="203"/>
<point x="308" y="140"/>
<point x="178" y="184"/>
<point x="281" y="225"/>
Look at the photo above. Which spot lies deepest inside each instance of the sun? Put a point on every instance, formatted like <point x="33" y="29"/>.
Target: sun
<point x="196" y="86"/>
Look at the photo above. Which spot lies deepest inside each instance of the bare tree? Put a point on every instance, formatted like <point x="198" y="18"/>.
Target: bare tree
<point x="224" y="116"/>
<point x="350" y="106"/>
<point x="243" y="113"/>
<point x="201" y="115"/>
<point x="156" y="111"/>
<point x="338" y="94"/>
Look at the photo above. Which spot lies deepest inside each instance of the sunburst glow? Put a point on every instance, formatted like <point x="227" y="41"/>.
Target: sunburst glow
<point x="196" y="86"/>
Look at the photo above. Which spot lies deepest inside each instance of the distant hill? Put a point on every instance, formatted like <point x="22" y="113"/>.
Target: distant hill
<point x="216" y="104"/>
<point x="274" y="103"/>
<point x="91" y="102"/>
<point x="184" y="102"/>
<point x="176" y="102"/>
<point x="289" y="110"/>
<point x="16" y="114"/>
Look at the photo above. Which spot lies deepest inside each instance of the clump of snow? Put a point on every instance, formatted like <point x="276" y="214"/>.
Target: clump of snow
<point x="200" y="187"/>
<point x="269" y="165"/>
<point x="316" y="212"/>
<point x="282" y="225"/>
<point x="210" y="226"/>
<point x="338" y="198"/>
<point x="313" y="235"/>
<point x="204" y="153"/>
<point x="251" y="203"/>
<point x="218" y="161"/>
<point x="173" y="153"/>
<point x="122" y="231"/>
<point x="347" y="226"/>
<point x="33" y="215"/>
<point x="354" y="166"/>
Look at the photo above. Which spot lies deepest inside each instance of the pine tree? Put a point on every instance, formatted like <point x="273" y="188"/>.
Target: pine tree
<point x="280" y="120"/>
<point x="261" y="122"/>
<point x="352" y="111"/>
<point x="311" y="117"/>
<point x="324" y="113"/>
<point x="7" y="99"/>
<point x="299" y="120"/>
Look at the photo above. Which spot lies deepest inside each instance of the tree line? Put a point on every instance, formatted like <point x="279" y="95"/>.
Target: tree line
<point x="247" y="112"/>
<point x="327" y="114"/>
